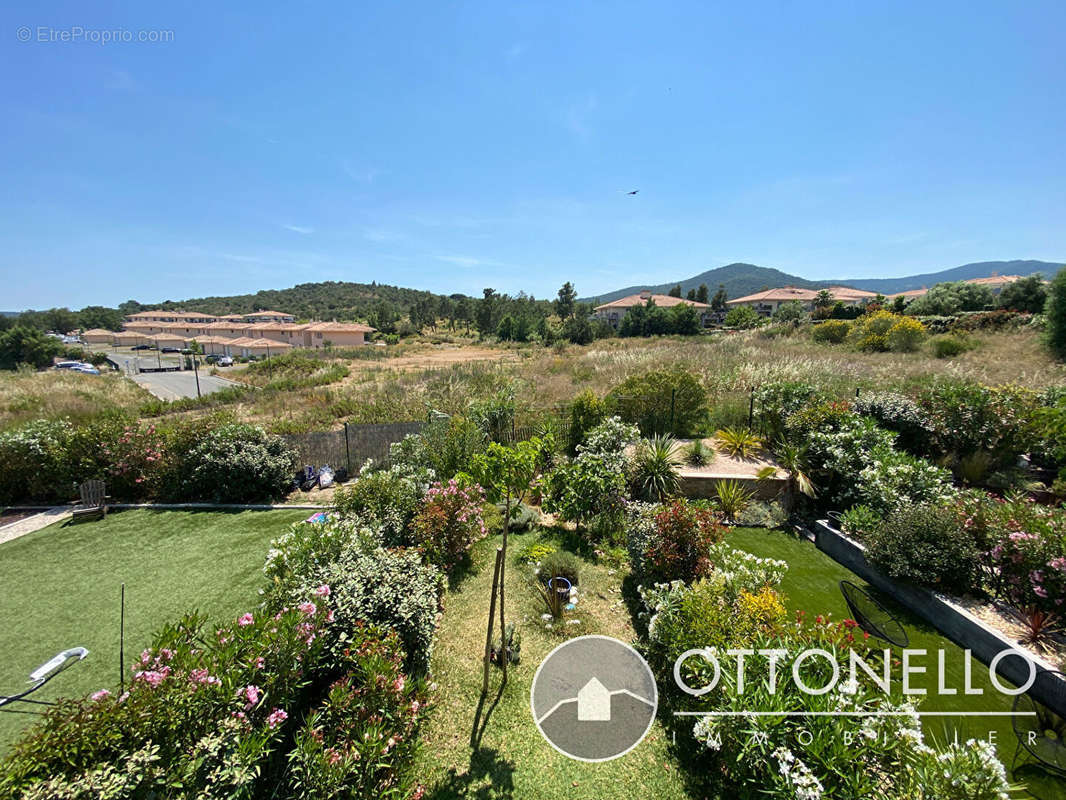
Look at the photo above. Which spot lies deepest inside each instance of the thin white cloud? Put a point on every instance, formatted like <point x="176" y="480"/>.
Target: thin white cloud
<point x="515" y="51"/>
<point x="462" y="261"/>
<point x="122" y="81"/>
<point x="301" y="229"/>
<point x="365" y="175"/>
<point x="578" y="117"/>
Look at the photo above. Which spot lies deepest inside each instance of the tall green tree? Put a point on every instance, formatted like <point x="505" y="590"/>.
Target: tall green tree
<point x="109" y="319"/>
<point x="701" y="293"/>
<point x="675" y="291"/>
<point x="1056" y="315"/>
<point x="718" y="302"/>
<point x="564" y="305"/>
<point x="1026" y="294"/>
<point x="24" y="345"/>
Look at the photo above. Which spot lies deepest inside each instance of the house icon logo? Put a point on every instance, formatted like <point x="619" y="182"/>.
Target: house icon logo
<point x="594" y="698"/>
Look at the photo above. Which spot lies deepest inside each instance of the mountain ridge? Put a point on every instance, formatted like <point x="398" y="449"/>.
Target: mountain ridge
<point x="741" y="279"/>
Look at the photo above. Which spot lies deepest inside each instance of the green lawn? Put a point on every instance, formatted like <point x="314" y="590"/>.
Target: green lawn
<point x="61" y="589"/>
<point x="513" y="760"/>
<point x="811" y="584"/>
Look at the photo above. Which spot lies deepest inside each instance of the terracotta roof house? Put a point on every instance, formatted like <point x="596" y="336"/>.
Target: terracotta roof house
<point x="128" y="338"/>
<point x="176" y="315"/>
<point x="98" y="336"/>
<point x="167" y="340"/>
<point x="612" y="312"/>
<point x="995" y="282"/>
<point x="256" y="332"/>
<point x="910" y="294"/>
<point x="268" y="316"/>
<point x="849" y="296"/>
<point x="338" y="334"/>
<point x="767" y="302"/>
<point x="247" y="346"/>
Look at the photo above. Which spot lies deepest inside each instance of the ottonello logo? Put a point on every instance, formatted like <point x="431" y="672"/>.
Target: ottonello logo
<point x="594" y="698"/>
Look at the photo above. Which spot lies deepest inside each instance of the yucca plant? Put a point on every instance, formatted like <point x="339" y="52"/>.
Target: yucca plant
<point x="732" y="498"/>
<point x="655" y="469"/>
<point x="698" y="454"/>
<point x="739" y="442"/>
<point x="793" y="458"/>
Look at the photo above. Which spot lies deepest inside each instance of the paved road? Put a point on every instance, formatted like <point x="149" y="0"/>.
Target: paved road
<point x="166" y="385"/>
<point x="175" y="385"/>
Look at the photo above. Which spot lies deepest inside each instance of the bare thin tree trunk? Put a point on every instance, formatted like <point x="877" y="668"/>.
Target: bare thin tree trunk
<point x="503" y="568"/>
<point x="492" y="615"/>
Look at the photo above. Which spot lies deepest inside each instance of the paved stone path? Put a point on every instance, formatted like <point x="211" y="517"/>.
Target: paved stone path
<point x="35" y="523"/>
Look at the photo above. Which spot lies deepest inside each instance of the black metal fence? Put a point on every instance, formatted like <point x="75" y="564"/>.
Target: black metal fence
<point x="351" y="446"/>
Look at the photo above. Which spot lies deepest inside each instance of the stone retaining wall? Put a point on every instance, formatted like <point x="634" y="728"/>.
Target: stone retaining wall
<point x="953" y="621"/>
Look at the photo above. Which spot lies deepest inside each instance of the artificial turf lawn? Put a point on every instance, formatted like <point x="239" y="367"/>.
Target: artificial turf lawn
<point x="61" y="589"/>
<point x="812" y="585"/>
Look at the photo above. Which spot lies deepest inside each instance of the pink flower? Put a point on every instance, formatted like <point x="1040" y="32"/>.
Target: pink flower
<point x="322" y="591"/>
<point x="398" y="684"/>
<point x="251" y="694"/>
<point x="1058" y="563"/>
<point x="152" y="677"/>
<point x="246" y="619"/>
<point x="202" y="677"/>
<point x="100" y="695"/>
<point x="334" y="756"/>
<point x="260" y="663"/>
<point x="277" y="716"/>
<point x="308" y="608"/>
<point x="1040" y="591"/>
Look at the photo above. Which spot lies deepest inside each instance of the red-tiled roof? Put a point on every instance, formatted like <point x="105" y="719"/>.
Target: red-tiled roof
<point x="661" y="300"/>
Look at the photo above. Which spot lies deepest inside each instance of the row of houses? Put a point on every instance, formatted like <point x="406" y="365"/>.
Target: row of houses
<point x="769" y="301"/>
<point x="264" y="333"/>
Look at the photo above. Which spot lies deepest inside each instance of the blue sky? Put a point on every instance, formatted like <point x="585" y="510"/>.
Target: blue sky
<point x="458" y="146"/>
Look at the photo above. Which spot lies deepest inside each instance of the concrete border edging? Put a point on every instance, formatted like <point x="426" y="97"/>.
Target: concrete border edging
<point x="953" y="621"/>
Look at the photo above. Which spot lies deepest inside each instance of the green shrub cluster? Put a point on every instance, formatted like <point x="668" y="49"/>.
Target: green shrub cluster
<point x="207" y="460"/>
<point x="224" y="713"/>
<point x="661" y="401"/>
<point x="925" y="544"/>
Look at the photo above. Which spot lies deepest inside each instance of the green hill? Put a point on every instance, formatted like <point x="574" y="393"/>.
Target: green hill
<point x="340" y="300"/>
<point x="742" y="279"/>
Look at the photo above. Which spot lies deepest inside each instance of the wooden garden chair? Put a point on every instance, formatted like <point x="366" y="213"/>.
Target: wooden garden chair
<point x="93" y="500"/>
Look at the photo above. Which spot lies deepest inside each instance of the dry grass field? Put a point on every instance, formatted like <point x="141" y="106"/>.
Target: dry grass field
<point x="410" y="380"/>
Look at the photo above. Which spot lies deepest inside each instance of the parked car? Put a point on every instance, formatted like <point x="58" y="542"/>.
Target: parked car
<point x="88" y="369"/>
<point x="213" y="358"/>
<point x="171" y="350"/>
<point x="68" y="364"/>
<point x="225" y="361"/>
<point x="141" y="347"/>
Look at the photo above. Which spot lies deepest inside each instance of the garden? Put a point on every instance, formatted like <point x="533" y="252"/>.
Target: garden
<point x="353" y="655"/>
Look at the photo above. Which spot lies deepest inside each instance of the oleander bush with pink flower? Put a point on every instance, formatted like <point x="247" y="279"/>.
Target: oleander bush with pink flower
<point x="449" y="522"/>
<point x="1024" y="553"/>
<point x="209" y="459"/>
<point x="213" y="713"/>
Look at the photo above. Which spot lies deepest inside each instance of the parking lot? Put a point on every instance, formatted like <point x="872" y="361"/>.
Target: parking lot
<point x="166" y="385"/>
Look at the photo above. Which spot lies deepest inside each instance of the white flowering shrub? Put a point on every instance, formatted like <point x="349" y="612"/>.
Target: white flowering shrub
<point x="739" y="571"/>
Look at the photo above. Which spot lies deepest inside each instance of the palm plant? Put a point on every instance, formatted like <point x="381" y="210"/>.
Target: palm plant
<point x="793" y="458"/>
<point x="655" y="469"/>
<point x="698" y="454"/>
<point x="739" y="442"/>
<point x="732" y="498"/>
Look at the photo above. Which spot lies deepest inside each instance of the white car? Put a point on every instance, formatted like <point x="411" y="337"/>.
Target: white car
<point x="225" y="361"/>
